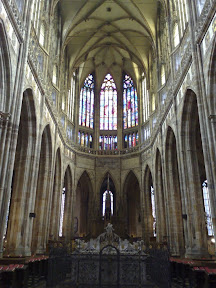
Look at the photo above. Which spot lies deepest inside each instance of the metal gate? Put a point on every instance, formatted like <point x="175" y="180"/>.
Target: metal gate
<point x="109" y="267"/>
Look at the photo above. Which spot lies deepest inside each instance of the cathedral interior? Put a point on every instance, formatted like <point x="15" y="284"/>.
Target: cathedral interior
<point x="107" y="115"/>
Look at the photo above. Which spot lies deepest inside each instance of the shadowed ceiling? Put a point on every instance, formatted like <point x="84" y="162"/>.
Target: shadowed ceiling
<point x="109" y="35"/>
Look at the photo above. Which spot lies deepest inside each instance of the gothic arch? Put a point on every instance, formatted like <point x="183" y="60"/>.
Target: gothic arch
<point x="23" y="171"/>
<point x="132" y="201"/>
<point x="103" y="188"/>
<point x="175" y="222"/>
<point x="56" y="197"/>
<point x="83" y="206"/>
<point x="5" y="71"/>
<point x="131" y="172"/>
<point x="40" y="227"/>
<point x="105" y="176"/>
<point x="195" y="175"/>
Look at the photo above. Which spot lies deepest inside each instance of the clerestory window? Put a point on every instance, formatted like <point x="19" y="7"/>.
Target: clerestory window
<point x="108" y="104"/>
<point x="130" y="103"/>
<point x="86" y="112"/>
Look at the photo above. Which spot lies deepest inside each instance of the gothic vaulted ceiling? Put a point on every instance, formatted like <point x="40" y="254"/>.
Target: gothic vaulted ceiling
<point x="109" y="35"/>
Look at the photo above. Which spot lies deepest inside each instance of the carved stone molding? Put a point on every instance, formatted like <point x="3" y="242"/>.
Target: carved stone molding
<point x="203" y="19"/>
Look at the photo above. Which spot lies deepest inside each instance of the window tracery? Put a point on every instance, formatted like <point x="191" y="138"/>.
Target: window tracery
<point x="108" y="104"/>
<point x="131" y="140"/>
<point x="108" y="142"/>
<point x="86" y="112"/>
<point x="85" y="139"/>
<point x="130" y="103"/>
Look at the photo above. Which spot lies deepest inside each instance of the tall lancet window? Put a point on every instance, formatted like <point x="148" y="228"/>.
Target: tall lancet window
<point x="108" y="104"/>
<point x="207" y="208"/>
<point x="153" y="210"/>
<point x="107" y="202"/>
<point x="62" y="212"/>
<point x="86" y="112"/>
<point x="130" y="104"/>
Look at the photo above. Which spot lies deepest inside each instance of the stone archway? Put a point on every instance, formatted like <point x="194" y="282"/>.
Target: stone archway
<point x="82" y="208"/>
<point x="176" y="232"/>
<point x="133" y="207"/>
<point x="195" y="175"/>
<point x="40" y="227"/>
<point x="19" y="222"/>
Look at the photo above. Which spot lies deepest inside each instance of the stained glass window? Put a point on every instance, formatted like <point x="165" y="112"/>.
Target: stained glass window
<point x="107" y="142"/>
<point x="130" y="104"/>
<point x="85" y="139"/>
<point x="86" y="112"/>
<point x="108" y="104"/>
<point x="131" y="140"/>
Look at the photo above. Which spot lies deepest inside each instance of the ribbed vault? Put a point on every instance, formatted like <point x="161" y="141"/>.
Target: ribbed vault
<point x="111" y="35"/>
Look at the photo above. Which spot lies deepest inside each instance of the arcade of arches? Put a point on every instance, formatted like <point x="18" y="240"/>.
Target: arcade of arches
<point x="108" y="114"/>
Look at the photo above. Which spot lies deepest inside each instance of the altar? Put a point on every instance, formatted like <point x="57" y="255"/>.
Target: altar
<point x="109" y="261"/>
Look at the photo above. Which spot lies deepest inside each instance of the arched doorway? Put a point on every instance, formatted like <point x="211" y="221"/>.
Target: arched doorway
<point x="82" y="206"/>
<point x="195" y="176"/>
<point x="176" y="233"/>
<point x="40" y="227"/>
<point x="19" y="205"/>
<point x="133" y="207"/>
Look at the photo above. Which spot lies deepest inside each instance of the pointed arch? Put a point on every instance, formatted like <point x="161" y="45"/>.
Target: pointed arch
<point x="176" y="232"/>
<point x="132" y="204"/>
<point x="83" y="205"/>
<point x="195" y="176"/>
<point x="40" y="227"/>
<point x="23" y="173"/>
